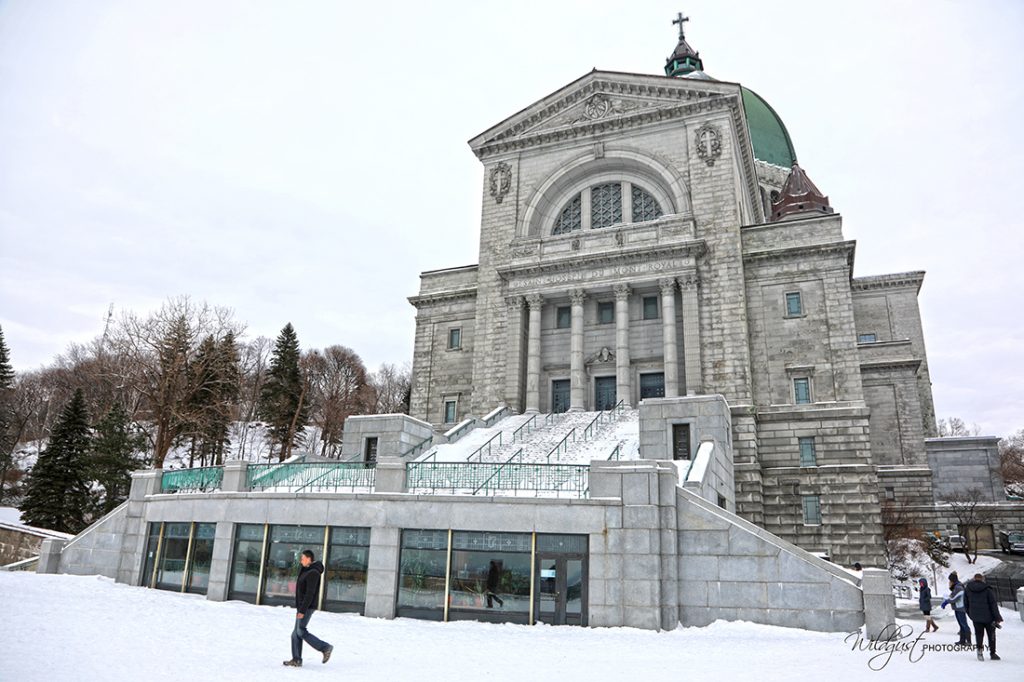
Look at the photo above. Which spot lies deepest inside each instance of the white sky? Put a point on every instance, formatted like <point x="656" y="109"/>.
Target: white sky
<point x="304" y="161"/>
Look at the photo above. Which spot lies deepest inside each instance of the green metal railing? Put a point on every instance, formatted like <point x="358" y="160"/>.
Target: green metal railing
<point x="311" y="476"/>
<point x="479" y="452"/>
<point x="418" y="448"/>
<point x="563" y="446"/>
<point x="198" y="480"/>
<point x="527" y="426"/>
<point x="549" y="419"/>
<point x="616" y="453"/>
<point x="491" y="479"/>
<point x="603" y="417"/>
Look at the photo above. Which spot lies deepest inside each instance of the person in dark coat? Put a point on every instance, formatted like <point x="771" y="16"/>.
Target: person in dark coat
<point x="924" y="600"/>
<point x="956" y="598"/>
<point x="982" y="609"/>
<point x="493" y="578"/>
<point x="307" y="591"/>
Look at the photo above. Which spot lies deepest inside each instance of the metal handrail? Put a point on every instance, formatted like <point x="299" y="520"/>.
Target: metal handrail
<point x="496" y="416"/>
<point x="419" y="446"/>
<point x="602" y="416"/>
<point x="549" y="419"/>
<point x="466" y="426"/>
<point x="196" y="480"/>
<point x="616" y="453"/>
<point x="526" y="425"/>
<point x="475" y="477"/>
<point x="479" y="451"/>
<point x="562" y="445"/>
<point x="311" y="476"/>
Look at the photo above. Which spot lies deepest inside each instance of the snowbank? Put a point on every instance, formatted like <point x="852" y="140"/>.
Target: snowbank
<point x="51" y="625"/>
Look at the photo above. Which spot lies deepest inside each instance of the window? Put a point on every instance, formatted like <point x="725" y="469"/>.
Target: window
<point x="890" y="492"/>
<point x="867" y="338"/>
<point x="681" y="441"/>
<point x="490" y="576"/>
<point x="571" y="217"/>
<point x="812" y="510"/>
<point x="283" y="550"/>
<point x="605" y="312"/>
<point x="645" y="207"/>
<point x="563" y="317"/>
<point x="245" y="566"/>
<point x="605" y="205"/>
<point x="370" y="449"/>
<point x="808" y="456"/>
<point x="650" y="307"/>
<point x="421" y="579"/>
<point x="198" y="580"/>
<point x="606" y="208"/>
<point x="801" y="390"/>
<point x="455" y="338"/>
<point x="346" y="566"/>
<point x="449" y="412"/>
<point x="794" y="306"/>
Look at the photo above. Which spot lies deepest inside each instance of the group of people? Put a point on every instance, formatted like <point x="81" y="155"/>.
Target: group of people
<point x="975" y="601"/>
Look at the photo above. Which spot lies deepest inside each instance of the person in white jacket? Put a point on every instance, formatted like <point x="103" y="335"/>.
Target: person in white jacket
<point x="956" y="598"/>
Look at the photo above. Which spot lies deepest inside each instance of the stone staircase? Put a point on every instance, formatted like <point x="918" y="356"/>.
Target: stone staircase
<point x="544" y="433"/>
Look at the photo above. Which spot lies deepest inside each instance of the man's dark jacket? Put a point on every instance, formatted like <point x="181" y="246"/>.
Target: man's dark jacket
<point x="307" y="586"/>
<point x="980" y="602"/>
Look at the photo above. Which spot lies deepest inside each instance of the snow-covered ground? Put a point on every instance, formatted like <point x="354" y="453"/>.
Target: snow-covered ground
<point x="89" y="628"/>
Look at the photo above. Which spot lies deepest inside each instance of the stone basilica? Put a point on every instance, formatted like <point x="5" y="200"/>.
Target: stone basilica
<point x="648" y="236"/>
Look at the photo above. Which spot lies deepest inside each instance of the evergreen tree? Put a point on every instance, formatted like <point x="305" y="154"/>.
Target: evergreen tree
<point x="216" y="380"/>
<point x="117" y="450"/>
<point x="6" y="397"/>
<point x="57" y="495"/>
<point x="283" y="398"/>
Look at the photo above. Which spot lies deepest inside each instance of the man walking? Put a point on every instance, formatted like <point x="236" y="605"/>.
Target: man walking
<point x="956" y="598"/>
<point x="307" y="589"/>
<point x="980" y="604"/>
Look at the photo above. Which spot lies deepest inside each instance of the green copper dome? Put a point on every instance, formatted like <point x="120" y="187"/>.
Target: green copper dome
<point x="768" y="133"/>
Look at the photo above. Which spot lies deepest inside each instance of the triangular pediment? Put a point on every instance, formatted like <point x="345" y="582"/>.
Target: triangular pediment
<point x="603" y="98"/>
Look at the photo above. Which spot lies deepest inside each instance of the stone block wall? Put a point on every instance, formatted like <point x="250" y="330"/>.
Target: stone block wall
<point x="962" y="464"/>
<point x="395" y="433"/>
<point x="99" y="549"/>
<point x="730" y="569"/>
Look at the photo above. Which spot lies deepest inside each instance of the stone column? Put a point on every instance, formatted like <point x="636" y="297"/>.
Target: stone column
<point x="516" y="354"/>
<point x="623" y="375"/>
<point x="535" y="301"/>
<point x="577" y="388"/>
<point x="235" y="475"/>
<point x="668" y="319"/>
<point x="691" y="333"/>
<point x="879" y="604"/>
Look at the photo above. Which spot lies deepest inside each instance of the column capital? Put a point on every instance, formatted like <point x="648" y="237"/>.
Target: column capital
<point x="622" y="291"/>
<point x="667" y="285"/>
<point x="689" y="280"/>
<point x="577" y="296"/>
<point x="535" y="300"/>
<point x="515" y="302"/>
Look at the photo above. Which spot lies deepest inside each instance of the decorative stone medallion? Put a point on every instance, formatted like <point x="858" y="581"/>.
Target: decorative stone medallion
<point x="501" y="181"/>
<point x="709" y="143"/>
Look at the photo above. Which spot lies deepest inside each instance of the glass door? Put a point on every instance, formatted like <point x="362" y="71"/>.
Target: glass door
<point x="560" y="395"/>
<point x="560" y="590"/>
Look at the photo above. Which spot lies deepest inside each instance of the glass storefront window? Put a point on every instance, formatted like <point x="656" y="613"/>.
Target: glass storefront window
<point x="346" y="562"/>
<point x="173" y="553"/>
<point x="202" y="556"/>
<point x="152" y="546"/>
<point x="421" y="578"/>
<point x="245" y="568"/>
<point x="490" y="577"/>
<point x="282" y="569"/>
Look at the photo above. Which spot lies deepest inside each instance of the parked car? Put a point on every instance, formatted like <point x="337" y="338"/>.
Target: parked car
<point x="954" y="543"/>
<point x="1011" y="541"/>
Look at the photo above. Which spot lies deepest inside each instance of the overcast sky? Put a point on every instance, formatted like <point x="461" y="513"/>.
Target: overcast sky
<point x="304" y="161"/>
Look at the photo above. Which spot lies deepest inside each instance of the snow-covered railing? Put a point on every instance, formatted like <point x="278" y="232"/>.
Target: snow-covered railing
<point x="563" y="445"/>
<point x="197" y="480"/>
<point x="23" y="565"/>
<point x="699" y="466"/>
<point x="495" y="415"/>
<point x="602" y="417"/>
<point x="527" y="426"/>
<point x="418" y="448"/>
<point x="460" y="430"/>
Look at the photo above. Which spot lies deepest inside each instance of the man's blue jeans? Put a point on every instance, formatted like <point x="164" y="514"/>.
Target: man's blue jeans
<point x="965" y="629"/>
<point x="300" y="634"/>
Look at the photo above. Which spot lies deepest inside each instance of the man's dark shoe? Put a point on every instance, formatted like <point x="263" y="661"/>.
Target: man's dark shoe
<point x="327" y="653"/>
<point x="293" y="663"/>
<point x="995" y="657"/>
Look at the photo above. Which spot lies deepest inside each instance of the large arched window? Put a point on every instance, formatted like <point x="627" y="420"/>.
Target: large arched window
<point x="606" y="204"/>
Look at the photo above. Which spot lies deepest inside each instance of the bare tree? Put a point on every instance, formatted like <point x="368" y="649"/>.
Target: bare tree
<point x="254" y="358"/>
<point x="1011" y="463"/>
<point x="968" y="507"/>
<point x="159" y="354"/>
<point x="898" y="528"/>
<point x="339" y="387"/>
<point x="955" y="427"/>
<point x="391" y="386"/>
